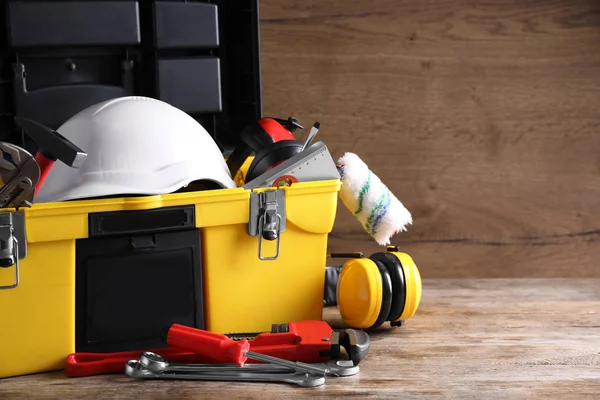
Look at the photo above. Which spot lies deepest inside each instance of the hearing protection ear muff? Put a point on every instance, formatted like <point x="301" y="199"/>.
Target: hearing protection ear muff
<point x="370" y="291"/>
<point x="260" y="135"/>
<point x="271" y="156"/>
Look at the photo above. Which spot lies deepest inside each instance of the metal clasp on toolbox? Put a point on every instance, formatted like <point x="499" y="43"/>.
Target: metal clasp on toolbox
<point x="13" y="244"/>
<point x="267" y="218"/>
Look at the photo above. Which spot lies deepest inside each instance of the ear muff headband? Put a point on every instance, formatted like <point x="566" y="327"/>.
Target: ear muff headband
<point x="387" y="294"/>
<point x="394" y="268"/>
<point x="360" y="293"/>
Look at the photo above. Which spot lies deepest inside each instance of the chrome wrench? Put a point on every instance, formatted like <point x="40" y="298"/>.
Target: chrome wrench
<point x="20" y="174"/>
<point x="156" y="363"/>
<point x="134" y="369"/>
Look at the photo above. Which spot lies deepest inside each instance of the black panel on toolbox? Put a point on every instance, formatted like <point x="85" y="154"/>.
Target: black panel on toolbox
<point x="191" y="84"/>
<point x="137" y="273"/>
<point x="63" y="61"/>
<point x="185" y="24"/>
<point x="62" y="23"/>
<point x="129" y="288"/>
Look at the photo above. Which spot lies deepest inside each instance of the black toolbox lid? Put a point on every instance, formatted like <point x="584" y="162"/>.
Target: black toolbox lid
<point x="59" y="57"/>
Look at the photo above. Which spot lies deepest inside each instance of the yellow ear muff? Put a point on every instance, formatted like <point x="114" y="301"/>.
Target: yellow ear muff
<point x="413" y="285"/>
<point x="360" y="293"/>
<point x="387" y="295"/>
<point x="394" y="268"/>
<point x="385" y="287"/>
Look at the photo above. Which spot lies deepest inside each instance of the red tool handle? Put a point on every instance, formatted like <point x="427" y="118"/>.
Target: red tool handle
<point x="45" y="164"/>
<point x="305" y="341"/>
<point x="219" y="347"/>
<point x="88" y="364"/>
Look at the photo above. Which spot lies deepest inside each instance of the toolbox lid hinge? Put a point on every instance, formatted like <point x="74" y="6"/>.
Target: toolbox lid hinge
<point x="267" y="218"/>
<point x="13" y="242"/>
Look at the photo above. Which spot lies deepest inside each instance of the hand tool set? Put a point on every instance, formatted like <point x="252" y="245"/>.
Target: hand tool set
<point x="152" y="166"/>
<point x="302" y="353"/>
<point x="306" y="341"/>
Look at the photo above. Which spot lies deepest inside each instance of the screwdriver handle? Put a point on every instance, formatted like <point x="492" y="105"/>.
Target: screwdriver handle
<point x="209" y="344"/>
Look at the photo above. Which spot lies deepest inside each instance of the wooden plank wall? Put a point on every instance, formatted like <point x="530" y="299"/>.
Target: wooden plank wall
<point x="483" y="117"/>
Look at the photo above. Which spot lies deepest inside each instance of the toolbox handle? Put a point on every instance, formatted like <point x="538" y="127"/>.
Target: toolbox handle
<point x="145" y="222"/>
<point x="13" y="242"/>
<point x="16" y="256"/>
<point x="267" y="218"/>
<point x="260" y="236"/>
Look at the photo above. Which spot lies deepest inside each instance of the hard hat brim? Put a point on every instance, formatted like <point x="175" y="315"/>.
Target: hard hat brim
<point x="146" y="183"/>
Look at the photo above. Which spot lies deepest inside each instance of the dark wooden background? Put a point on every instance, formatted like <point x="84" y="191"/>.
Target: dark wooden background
<point x="482" y="117"/>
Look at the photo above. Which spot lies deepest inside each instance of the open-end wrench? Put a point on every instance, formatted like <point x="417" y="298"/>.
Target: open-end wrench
<point x="134" y="369"/>
<point x="156" y="363"/>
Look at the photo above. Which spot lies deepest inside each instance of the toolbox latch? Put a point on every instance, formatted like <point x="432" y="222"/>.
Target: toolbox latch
<point x="267" y="218"/>
<point x="13" y="244"/>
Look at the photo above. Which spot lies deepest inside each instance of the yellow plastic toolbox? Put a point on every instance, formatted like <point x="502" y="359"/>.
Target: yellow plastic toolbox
<point x="240" y="290"/>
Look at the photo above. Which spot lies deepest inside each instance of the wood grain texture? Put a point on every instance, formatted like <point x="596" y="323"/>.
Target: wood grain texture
<point x="471" y="339"/>
<point x="481" y="116"/>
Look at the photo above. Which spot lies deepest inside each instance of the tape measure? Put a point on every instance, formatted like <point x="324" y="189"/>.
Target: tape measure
<point x="312" y="164"/>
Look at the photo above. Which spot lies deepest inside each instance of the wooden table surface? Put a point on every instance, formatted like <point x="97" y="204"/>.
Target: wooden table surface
<point x="494" y="338"/>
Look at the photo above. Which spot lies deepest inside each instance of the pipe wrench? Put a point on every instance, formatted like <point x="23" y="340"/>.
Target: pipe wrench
<point x="303" y="341"/>
<point x="309" y="341"/>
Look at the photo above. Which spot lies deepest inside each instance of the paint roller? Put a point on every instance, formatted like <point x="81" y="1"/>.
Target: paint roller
<point x="378" y="210"/>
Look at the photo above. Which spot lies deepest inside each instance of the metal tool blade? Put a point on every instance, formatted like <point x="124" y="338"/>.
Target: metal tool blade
<point x="134" y="369"/>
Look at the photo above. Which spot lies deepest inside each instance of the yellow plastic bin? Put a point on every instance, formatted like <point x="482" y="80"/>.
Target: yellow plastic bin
<point x="242" y="293"/>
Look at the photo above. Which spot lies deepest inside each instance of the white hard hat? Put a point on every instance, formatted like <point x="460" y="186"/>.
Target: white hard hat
<point x="135" y="146"/>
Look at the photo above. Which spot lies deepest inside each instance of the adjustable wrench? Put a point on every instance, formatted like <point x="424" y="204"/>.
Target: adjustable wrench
<point x="20" y="174"/>
<point x="158" y="364"/>
<point x="134" y="369"/>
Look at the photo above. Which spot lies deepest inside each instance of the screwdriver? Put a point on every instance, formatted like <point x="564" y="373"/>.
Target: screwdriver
<point x="224" y="349"/>
<point x="313" y="132"/>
